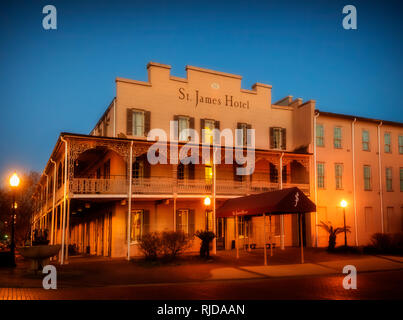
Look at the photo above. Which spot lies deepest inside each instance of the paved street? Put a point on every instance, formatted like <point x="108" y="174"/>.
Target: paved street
<point x="223" y="277"/>
<point x="371" y="285"/>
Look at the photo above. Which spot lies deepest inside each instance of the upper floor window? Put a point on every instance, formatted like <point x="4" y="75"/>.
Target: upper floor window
<point x="184" y="123"/>
<point x="337" y="137"/>
<point x="185" y="172"/>
<point x="388" y="177"/>
<point x="208" y="173"/>
<point x="401" y="144"/>
<point x="139" y="224"/>
<point x="138" y="122"/>
<point x="365" y="140"/>
<point x="388" y="146"/>
<point x="207" y="126"/>
<point x="59" y="176"/>
<point x="320" y="139"/>
<point x="338" y="169"/>
<point x="242" y="136"/>
<point x="367" y="178"/>
<point x="278" y="138"/>
<point x="321" y="175"/>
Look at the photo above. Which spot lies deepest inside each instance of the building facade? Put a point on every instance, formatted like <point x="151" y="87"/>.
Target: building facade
<point x="100" y="193"/>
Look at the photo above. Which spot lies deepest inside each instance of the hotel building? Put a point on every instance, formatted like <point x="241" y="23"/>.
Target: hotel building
<point x="100" y="193"/>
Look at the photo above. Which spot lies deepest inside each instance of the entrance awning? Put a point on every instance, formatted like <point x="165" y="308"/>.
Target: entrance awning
<point x="285" y="201"/>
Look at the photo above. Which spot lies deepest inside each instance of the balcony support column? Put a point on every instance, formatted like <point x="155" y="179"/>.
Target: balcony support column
<point x="282" y="247"/>
<point x="64" y="200"/>
<point x="129" y="204"/>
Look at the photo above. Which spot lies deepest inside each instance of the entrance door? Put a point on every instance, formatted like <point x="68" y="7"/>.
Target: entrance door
<point x="221" y="224"/>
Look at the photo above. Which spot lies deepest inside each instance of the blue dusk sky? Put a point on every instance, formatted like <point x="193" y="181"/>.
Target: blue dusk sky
<point x="63" y="80"/>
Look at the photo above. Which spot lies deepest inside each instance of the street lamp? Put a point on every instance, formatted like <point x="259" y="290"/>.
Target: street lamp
<point x="343" y="204"/>
<point x="207" y="201"/>
<point x="14" y="183"/>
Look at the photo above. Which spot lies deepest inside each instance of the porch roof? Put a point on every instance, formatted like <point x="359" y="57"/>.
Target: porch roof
<point x="285" y="201"/>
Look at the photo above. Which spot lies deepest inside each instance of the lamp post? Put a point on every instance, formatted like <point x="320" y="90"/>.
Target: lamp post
<point x="14" y="183"/>
<point x="343" y="204"/>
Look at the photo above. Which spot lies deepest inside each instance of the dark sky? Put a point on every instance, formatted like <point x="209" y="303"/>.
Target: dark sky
<point x="62" y="80"/>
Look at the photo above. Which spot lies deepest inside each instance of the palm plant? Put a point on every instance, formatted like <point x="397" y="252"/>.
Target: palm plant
<point x="333" y="232"/>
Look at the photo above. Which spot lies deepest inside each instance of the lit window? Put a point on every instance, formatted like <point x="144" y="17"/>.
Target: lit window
<point x="320" y="140"/>
<point x="137" y="223"/>
<point x="182" y="220"/>
<point x="209" y="220"/>
<point x="367" y="178"/>
<point x="208" y="172"/>
<point x="321" y="175"/>
<point x="388" y="147"/>
<point x="209" y="126"/>
<point x="365" y="140"/>
<point x="138" y="123"/>
<point x="337" y="137"/>
<point x="388" y="176"/>
<point x="338" y="168"/>
<point x="183" y="125"/>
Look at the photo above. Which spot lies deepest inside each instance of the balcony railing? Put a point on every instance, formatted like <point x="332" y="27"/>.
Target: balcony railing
<point x="165" y="185"/>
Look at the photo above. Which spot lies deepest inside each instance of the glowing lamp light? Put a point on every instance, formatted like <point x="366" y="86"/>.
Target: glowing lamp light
<point x="14" y="180"/>
<point x="207" y="201"/>
<point x="343" y="203"/>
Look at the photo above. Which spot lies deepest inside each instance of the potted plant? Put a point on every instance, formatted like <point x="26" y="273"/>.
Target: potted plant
<point x="206" y="238"/>
<point x="333" y="232"/>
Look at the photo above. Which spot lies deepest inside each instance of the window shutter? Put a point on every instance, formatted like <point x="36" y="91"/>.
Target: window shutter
<point x="146" y="221"/>
<point x="192" y="125"/>
<point x="248" y="133"/>
<point x="283" y="139"/>
<point x="129" y="126"/>
<point x="191" y="168"/>
<point x="239" y="137"/>
<point x="176" y="118"/>
<point x="147" y="168"/>
<point x="217" y="135"/>
<point x="202" y="121"/>
<point x="191" y="221"/>
<point x="271" y="129"/>
<point x="147" y="122"/>
<point x="217" y="125"/>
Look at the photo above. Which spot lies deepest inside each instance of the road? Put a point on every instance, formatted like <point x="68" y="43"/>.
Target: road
<point x="370" y="285"/>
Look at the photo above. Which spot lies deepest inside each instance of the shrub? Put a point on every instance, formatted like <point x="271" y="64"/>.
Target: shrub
<point x="150" y="245"/>
<point x="381" y="241"/>
<point x="174" y="243"/>
<point x="206" y="237"/>
<point x="333" y="232"/>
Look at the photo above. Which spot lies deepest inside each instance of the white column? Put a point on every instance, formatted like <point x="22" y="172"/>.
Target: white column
<point x="354" y="187"/>
<point x="282" y="216"/>
<point x="214" y="207"/>
<point x="236" y="236"/>
<point x="301" y="238"/>
<point x="64" y="202"/>
<point x="380" y="176"/>
<point x="129" y="204"/>
<point x="264" y="240"/>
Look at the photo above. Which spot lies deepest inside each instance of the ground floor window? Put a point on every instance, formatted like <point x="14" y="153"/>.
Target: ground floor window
<point x="209" y="220"/>
<point x="137" y="224"/>
<point x="182" y="220"/>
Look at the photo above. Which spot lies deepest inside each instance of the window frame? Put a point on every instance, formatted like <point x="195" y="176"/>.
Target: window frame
<point x="187" y="220"/>
<point x="132" y="220"/>
<point x="389" y="179"/>
<point x="134" y="122"/>
<point x="339" y="176"/>
<point x="367" y="178"/>
<point x="387" y="145"/>
<point x="364" y="142"/>
<point x="322" y="186"/>
<point x="400" y="143"/>
<point x="321" y="137"/>
<point x="338" y="139"/>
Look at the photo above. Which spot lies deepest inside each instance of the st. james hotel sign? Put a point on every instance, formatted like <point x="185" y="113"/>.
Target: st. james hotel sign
<point x="225" y="100"/>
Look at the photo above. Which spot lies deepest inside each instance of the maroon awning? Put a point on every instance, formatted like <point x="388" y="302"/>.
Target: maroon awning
<point x="290" y="200"/>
